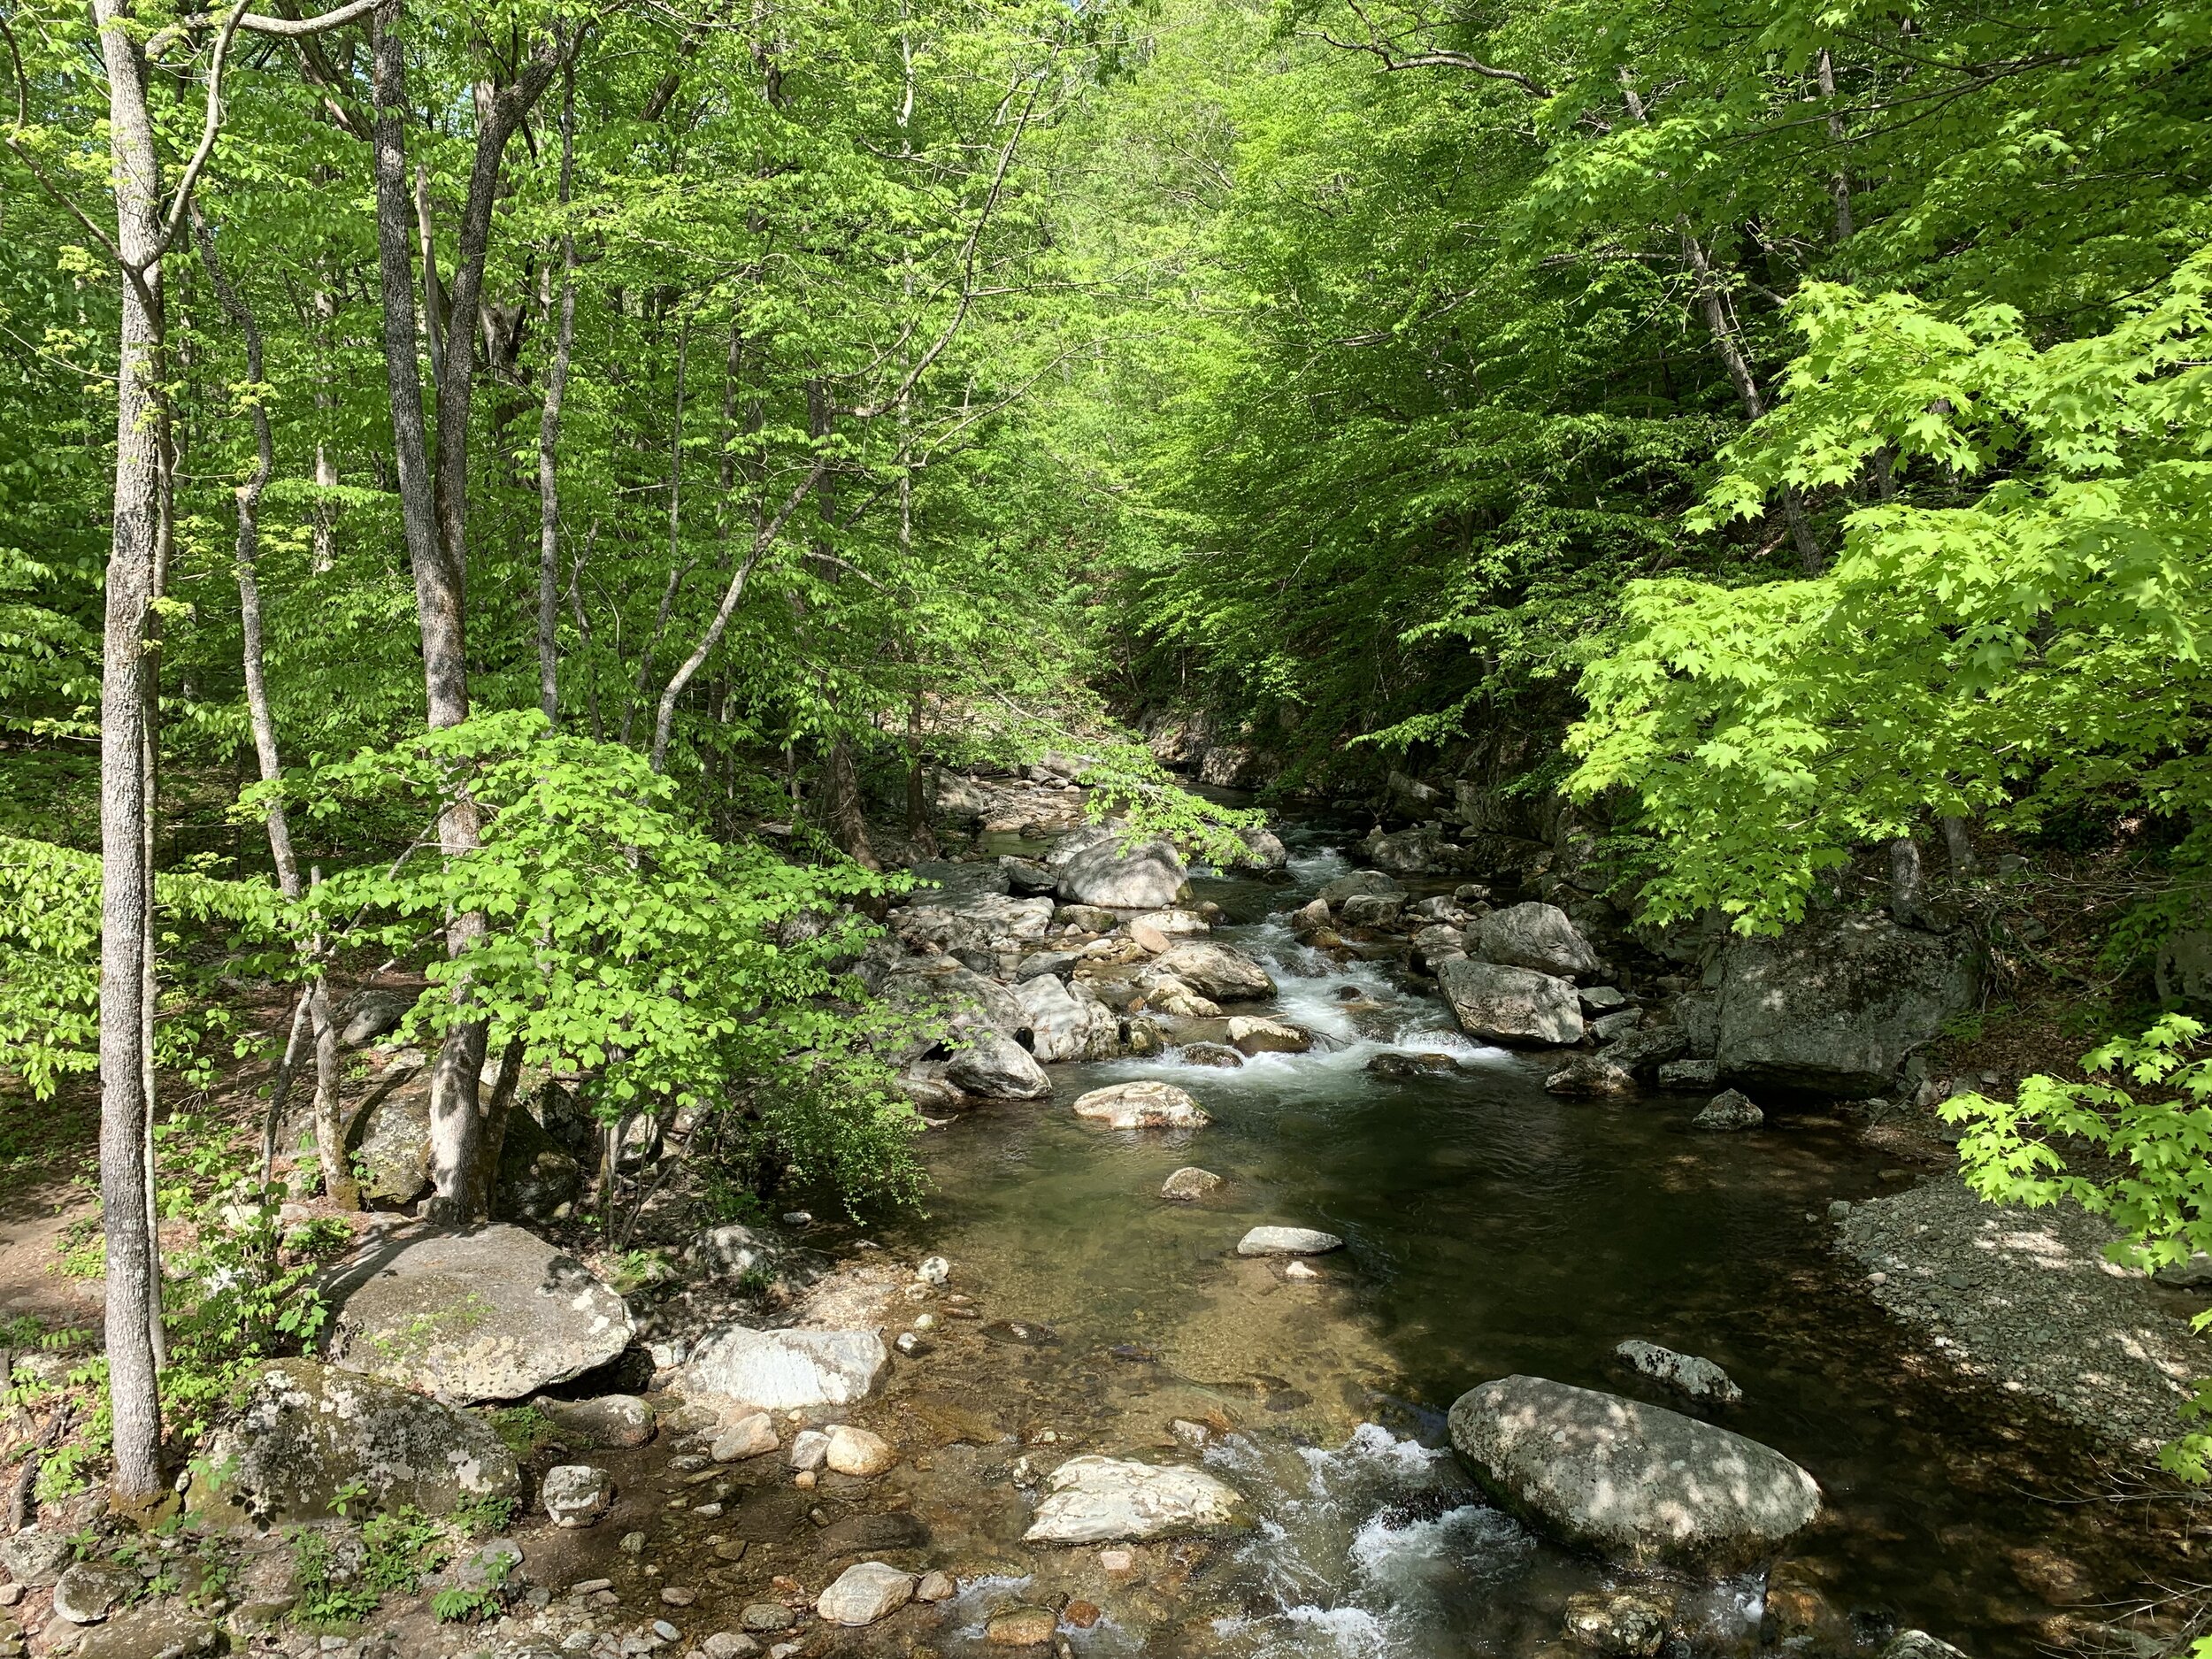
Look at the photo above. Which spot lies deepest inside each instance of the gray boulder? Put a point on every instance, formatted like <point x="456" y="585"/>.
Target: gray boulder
<point x="1728" y="1110"/>
<point x="1591" y="1077"/>
<point x="864" y="1592"/>
<point x="369" y="1013"/>
<point x="1533" y="935"/>
<point x="491" y="1313"/>
<point x="91" y="1590"/>
<point x="1648" y="1050"/>
<point x="391" y="1143"/>
<point x="788" y="1371"/>
<point x="538" y="1178"/>
<point x="1507" y="1004"/>
<point x="1410" y="852"/>
<point x="1068" y="1022"/>
<point x="1264" y="850"/>
<point x="1096" y="869"/>
<point x="575" y="1494"/>
<point x="35" y="1556"/>
<point x="1835" y="1012"/>
<point x="1687" y="1073"/>
<point x="996" y="1067"/>
<point x="1110" y="1499"/>
<point x="611" y="1420"/>
<point x="1642" y="1486"/>
<point x="1220" y="971"/>
<point x="1359" y="883"/>
<point x="1371" y="909"/>
<point x="1146" y="1105"/>
<point x="308" y="1434"/>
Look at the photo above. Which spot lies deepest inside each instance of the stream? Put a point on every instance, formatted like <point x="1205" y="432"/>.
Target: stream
<point x="1491" y="1228"/>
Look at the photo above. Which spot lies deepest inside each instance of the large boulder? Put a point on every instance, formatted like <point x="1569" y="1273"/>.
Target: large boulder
<point x="788" y="1371"/>
<point x="1641" y="1484"/>
<point x="1221" y="971"/>
<point x="391" y="1141"/>
<point x="1109" y="1500"/>
<point x="310" y="1438"/>
<point x="372" y="1012"/>
<point x="997" y="1068"/>
<point x="1068" y="1022"/>
<point x="1410" y="852"/>
<point x="1835" y="1011"/>
<point x="491" y="1313"/>
<point x="1505" y="1004"/>
<point x="1359" y="883"/>
<point x="1532" y="935"/>
<point x="1095" y="868"/>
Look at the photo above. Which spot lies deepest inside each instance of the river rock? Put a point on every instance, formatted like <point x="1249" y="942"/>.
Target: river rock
<point x="152" y="1630"/>
<point x="809" y="1449"/>
<point x="1508" y="1004"/>
<point x="752" y="1435"/>
<point x="1410" y="852"/>
<point x="1264" y="850"/>
<point x="1218" y="1055"/>
<point x="1601" y="999"/>
<point x="993" y="1065"/>
<point x="1370" y="910"/>
<point x="864" y="1592"/>
<point x="1220" y="971"/>
<point x="1835" y="1011"/>
<point x="1612" y="1027"/>
<point x="1917" y="1644"/>
<point x="617" y="1421"/>
<point x="1687" y="1073"/>
<point x="1250" y="1036"/>
<point x="1641" y="1484"/>
<point x="784" y="1371"/>
<point x="733" y="1249"/>
<point x="1029" y="876"/>
<point x="1647" y="1048"/>
<point x="1145" y="877"/>
<point x="1621" y="1624"/>
<point x="1533" y="935"/>
<point x="35" y="1556"/>
<point x="1308" y="920"/>
<point x="575" y="1494"/>
<point x="1591" y="1077"/>
<point x="1146" y="1105"/>
<point x="1021" y="1627"/>
<point x="856" y="1451"/>
<point x="1691" y="1378"/>
<point x="1288" y="1241"/>
<point x="1412" y="1064"/>
<point x="942" y="881"/>
<point x="371" y="1012"/>
<point x="1729" y="1110"/>
<point x="1359" y="882"/>
<point x="1068" y="1022"/>
<point x="308" y="1432"/>
<point x="491" y="1313"/>
<point x="1439" y="943"/>
<point x="1165" y="994"/>
<point x="1189" y="1183"/>
<point x="1111" y="1499"/>
<point x="91" y="1590"/>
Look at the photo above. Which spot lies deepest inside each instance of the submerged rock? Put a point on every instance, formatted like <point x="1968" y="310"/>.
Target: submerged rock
<point x="1620" y="1622"/>
<point x="309" y="1434"/>
<point x="1219" y="1054"/>
<point x="783" y="1370"/>
<point x="1729" y="1110"/>
<point x="490" y="1313"/>
<point x="1917" y="1644"/>
<point x="1146" y="1104"/>
<point x="1693" y="1379"/>
<point x="1288" y="1241"/>
<point x="1190" y="1182"/>
<point x="1411" y="1064"/>
<point x="1508" y="1004"/>
<point x="1643" y="1486"/>
<point x="1591" y="1077"/>
<point x="1111" y="1499"/>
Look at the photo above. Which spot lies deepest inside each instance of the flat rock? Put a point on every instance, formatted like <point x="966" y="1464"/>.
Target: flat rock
<point x="1508" y="1004"/>
<point x="154" y="1630"/>
<point x="491" y="1313"/>
<point x="1220" y="971"/>
<point x="863" y="1594"/>
<point x="1219" y="1056"/>
<point x="1691" y="1378"/>
<point x="1110" y="1499"/>
<point x="1021" y="1627"/>
<point x="784" y="1371"/>
<point x="91" y="1590"/>
<point x="1641" y="1484"/>
<point x="1190" y="1182"/>
<point x="752" y="1435"/>
<point x="1288" y="1241"/>
<point x="309" y="1432"/>
<point x="1411" y="1064"/>
<point x="873" y="1534"/>
<point x="1146" y="1105"/>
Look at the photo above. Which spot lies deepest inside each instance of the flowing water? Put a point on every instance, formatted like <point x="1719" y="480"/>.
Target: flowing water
<point x="1490" y="1229"/>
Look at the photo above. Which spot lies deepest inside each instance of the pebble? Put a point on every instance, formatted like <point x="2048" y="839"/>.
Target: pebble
<point x="730" y="1549"/>
<point x="633" y="1543"/>
<point x="803" y="1480"/>
<point x="588" y="1586"/>
<point x="913" y="1345"/>
<point x="765" y="1615"/>
<point x="665" y="1630"/>
<point x="937" y="1587"/>
<point x="706" y="1511"/>
<point x="1117" y="1560"/>
<point x="935" y="1270"/>
<point x="1300" y="1271"/>
<point x="925" y="1322"/>
<point x="676" y="1596"/>
<point x="798" y="1218"/>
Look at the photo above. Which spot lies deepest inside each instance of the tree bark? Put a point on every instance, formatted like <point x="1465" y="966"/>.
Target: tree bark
<point x="549" y="429"/>
<point x="1960" y="849"/>
<point x="128" y="706"/>
<point x="1905" y="885"/>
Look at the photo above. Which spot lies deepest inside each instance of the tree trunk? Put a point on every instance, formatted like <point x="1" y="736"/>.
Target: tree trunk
<point x="550" y="429"/>
<point x="1839" y="180"/>
<point x="128" y="706"/>
<point x="1960" y="850"/>
<point x="1905" y="886"/>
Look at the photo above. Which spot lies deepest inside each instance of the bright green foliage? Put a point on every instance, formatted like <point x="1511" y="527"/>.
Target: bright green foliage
<point x="2160" y="1199"/>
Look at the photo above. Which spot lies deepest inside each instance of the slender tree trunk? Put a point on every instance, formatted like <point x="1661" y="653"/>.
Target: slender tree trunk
<point x="128" y="706"/>
<point x="1905" y="883"/>
<point x="1839" y="180"/>
<point x="549" y="429"/>
<point x="1959" y="849"/>
<point x="338" y="1181"/>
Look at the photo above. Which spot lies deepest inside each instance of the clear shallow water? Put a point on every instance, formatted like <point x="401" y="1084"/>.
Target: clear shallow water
<point x="1490" y="1229"/>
